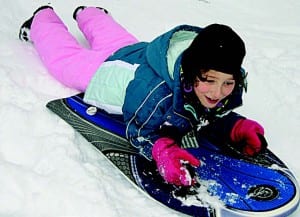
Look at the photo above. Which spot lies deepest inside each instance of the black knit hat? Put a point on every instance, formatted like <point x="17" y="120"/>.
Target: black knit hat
<point x="216" y="47"/>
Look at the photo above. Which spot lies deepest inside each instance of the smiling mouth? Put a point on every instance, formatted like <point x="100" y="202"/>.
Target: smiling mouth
<point x="212" y="101"/>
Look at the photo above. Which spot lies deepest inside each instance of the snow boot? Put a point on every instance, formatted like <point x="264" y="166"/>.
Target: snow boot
<point x="81" y="8"/>
<point x="24" y="33"/>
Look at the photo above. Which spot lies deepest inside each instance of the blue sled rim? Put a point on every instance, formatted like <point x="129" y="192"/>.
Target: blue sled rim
<point x="114" y="125"/>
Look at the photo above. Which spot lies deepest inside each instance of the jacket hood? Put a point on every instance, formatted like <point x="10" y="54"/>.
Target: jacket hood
<point x="163" y="52"/>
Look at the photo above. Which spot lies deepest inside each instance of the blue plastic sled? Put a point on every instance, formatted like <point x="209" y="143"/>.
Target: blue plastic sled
<point x="229" y="184"/>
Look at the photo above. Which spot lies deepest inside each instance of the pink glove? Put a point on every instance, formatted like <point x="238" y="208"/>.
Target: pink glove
<point x="169" y="159"/>
<point x="246" y="130"/>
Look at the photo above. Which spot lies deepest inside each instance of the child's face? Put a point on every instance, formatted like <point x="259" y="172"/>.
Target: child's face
<point x="212" y="87"/>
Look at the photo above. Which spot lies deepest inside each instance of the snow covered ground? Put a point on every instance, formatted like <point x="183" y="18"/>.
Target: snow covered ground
<point x="48" y="170"/>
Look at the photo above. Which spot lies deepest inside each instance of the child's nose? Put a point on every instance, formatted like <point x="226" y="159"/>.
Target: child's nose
<point x="217" y="92"/>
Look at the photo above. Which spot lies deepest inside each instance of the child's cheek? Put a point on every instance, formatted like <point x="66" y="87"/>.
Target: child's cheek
<point x="201" y="87"/>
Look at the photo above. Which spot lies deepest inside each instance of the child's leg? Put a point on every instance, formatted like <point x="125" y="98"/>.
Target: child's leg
<point x="102" y="31"/>
<point x="63" y="56"/>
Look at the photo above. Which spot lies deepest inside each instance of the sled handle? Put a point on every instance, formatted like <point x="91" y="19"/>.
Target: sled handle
<point x="264" y="143"/>
<point x="236" y="149"/>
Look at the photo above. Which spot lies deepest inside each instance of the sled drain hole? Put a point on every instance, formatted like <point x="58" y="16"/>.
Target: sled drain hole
<point x="92" y="110"/>
<point x="263" y="192"/>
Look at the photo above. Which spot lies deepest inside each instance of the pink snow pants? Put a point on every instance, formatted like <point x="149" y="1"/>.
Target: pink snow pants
<point x="67" y="60"/>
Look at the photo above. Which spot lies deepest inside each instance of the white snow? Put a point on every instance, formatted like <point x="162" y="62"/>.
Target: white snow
<point x="48" y="170"/>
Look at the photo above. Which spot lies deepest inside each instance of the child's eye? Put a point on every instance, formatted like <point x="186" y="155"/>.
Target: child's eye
<point x="205" y="79"/>
<point x="210" y="80"/>
<point x="229" y="83"/>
